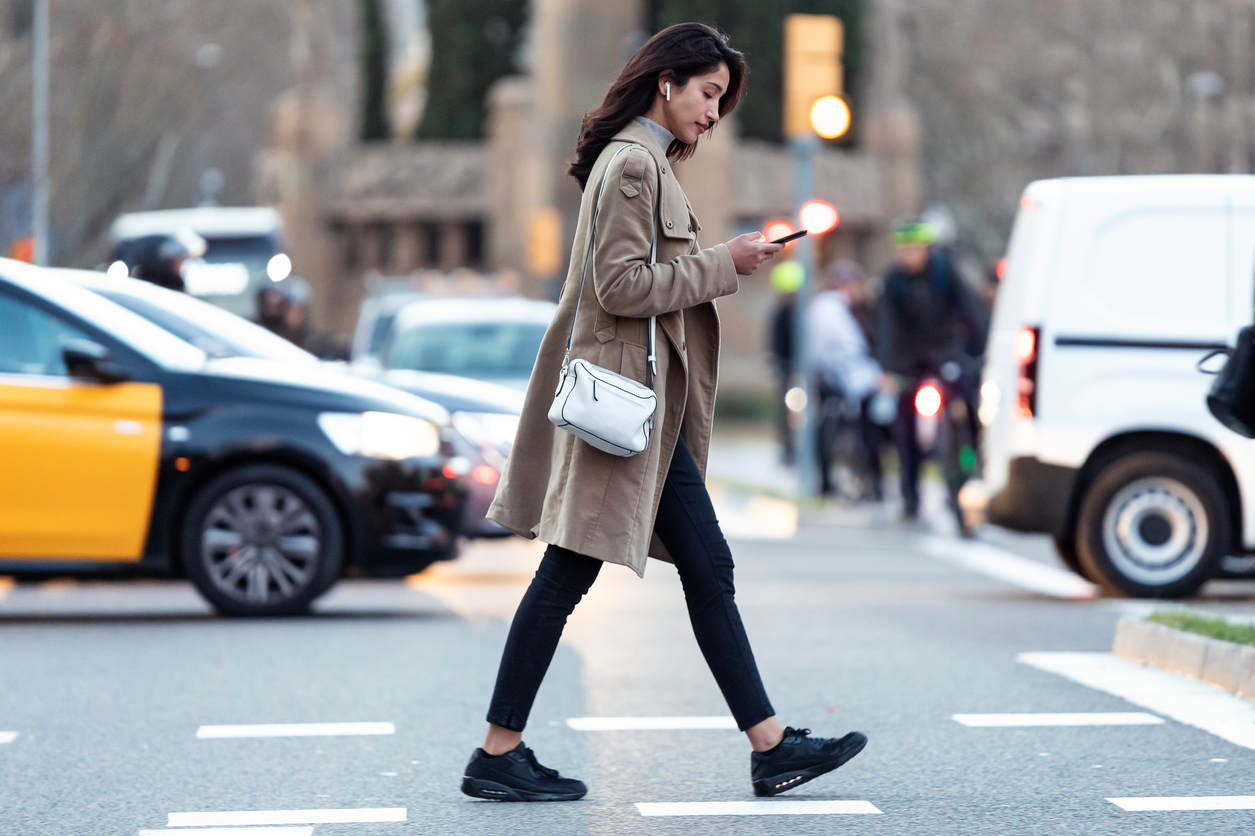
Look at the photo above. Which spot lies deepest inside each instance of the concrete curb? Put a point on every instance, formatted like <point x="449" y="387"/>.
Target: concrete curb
<point x="1229" y="665"/>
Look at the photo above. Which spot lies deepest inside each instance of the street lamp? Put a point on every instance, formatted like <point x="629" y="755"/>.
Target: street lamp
<point x="40" y="71"/>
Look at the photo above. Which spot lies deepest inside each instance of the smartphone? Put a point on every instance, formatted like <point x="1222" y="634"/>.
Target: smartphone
<point x="786" y="239"/>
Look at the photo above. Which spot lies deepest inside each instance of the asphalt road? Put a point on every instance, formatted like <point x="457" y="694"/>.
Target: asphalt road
<point x="107" y="685"/>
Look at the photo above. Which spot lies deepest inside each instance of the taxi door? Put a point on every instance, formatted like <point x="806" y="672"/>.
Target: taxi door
<point x="78" y="459"/>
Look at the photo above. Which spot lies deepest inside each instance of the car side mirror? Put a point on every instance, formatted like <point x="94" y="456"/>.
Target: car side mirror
<point x="89" y="360"/>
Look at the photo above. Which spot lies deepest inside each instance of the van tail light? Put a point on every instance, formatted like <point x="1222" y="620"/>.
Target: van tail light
<point x="1027" y="352"/>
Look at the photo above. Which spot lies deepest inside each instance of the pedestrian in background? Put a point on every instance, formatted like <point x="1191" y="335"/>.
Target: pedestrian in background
<point x="848" y="378"/>
<point x="592" y="507"/>
<point x="786" y="280"/>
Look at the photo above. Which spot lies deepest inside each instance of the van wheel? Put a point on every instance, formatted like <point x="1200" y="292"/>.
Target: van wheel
<point x="1152" y="525"/>
<point x="262" y="540"/>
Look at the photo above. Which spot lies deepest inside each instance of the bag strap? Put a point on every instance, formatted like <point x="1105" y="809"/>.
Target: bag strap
<point x="592" y="238"/>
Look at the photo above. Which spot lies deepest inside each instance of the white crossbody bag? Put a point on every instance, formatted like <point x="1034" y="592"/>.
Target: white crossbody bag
<point x="611" y="412"/>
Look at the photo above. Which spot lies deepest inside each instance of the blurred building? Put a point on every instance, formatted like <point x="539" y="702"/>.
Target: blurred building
<point x="171" y="103"/>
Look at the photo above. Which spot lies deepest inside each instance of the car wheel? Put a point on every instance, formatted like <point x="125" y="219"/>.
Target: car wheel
<point x="1152" y="525"/>
<point x="262" y="540"/>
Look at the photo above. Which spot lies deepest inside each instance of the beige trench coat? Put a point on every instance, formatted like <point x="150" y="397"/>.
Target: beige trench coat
<point x="559" y="488"/>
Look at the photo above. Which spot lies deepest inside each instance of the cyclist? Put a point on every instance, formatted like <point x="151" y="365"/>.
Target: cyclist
<point x="929" y="321"/>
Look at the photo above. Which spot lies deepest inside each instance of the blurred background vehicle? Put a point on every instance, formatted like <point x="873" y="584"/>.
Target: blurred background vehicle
<point x="484" y="415"/>
<point x="1096" y="430"/>
<point x="490" y="339"/>
<point x="262" y="481"/>
<point x="242" y="250"/>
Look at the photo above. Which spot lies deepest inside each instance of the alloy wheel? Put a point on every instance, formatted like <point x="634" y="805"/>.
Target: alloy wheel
<point x="260" y="544"/>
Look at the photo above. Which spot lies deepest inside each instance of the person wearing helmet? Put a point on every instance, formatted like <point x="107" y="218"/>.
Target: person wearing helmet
<point x="297" y="327"/>
<point x="159" y="258"/>
<point x="786" y="280"/>
<point x="928" y="317"/>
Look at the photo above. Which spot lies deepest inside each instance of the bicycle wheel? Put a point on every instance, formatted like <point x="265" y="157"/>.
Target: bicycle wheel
<point x="960" y="458"/>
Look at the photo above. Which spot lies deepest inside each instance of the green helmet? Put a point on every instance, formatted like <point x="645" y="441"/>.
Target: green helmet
<point x="912" y="232"/>
<point x="787" y="277"/>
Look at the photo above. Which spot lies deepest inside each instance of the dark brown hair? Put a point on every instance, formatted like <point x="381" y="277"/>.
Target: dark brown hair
<point x="687" y="50"/>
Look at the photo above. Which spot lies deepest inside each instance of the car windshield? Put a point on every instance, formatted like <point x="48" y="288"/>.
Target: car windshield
<point x="482" y="350"/>
<point x="216" y="332"/>
<point x="253" y="251"/>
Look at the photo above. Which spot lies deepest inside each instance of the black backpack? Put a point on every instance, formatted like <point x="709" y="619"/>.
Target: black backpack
<point x="1232" y="396"/>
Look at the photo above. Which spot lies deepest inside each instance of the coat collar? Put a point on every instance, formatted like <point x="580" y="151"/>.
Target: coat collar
<point x="636" y="132"/>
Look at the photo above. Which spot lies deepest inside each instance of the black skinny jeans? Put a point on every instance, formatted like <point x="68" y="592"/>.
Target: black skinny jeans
<point x="687" y="526"/>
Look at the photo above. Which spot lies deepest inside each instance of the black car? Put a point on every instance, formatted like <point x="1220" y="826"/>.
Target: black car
<point x="130" y="450"/>
<point x="484" y="415"/>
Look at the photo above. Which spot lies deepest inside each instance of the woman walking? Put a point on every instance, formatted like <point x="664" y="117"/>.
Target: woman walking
<point x="593" y="507"/>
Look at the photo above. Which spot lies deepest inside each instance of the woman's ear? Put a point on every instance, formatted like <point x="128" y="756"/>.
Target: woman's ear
<point x="666" y="83"/>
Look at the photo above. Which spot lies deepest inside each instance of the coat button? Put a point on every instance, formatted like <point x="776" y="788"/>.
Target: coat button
<point x="664" y="169"/>
<point x="668" y="224"/>
<point x="690" y="227"/>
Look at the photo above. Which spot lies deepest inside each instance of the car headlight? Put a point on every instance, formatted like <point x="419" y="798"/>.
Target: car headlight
<point x="494" y="430"/>
<point x="380" y="435"/>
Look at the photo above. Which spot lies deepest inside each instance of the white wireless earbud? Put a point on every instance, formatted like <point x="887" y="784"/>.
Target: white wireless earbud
<point x="668" y="91"/>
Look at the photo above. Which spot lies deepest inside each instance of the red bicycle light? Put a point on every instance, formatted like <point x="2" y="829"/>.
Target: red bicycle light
<point x="928" y="400"/>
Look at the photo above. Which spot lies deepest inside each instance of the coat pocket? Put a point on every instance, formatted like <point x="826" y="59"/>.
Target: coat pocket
<point x="634" y="362"/>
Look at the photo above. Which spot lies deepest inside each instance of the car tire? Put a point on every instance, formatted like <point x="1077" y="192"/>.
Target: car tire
<point x="1065" y="546"/>
<point x="262" y="540"/>
<point x="1152" y="525"/>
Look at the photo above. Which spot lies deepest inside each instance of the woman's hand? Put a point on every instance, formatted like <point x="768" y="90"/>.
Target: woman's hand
<point x="750" y="250"/>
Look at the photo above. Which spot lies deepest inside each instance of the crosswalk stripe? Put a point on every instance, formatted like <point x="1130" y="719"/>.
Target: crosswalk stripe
<point x="1011" y="568"/>
<point x="236" y="831"/>
<point x="1169" y="803"/>
<point x="649" y="723"/>
<point x="1097" y="718"/>
<point x="247" y="817"/>
<point x="295" y="730"/>
<point x="1198" y="704"/>
<point x="757" y="808"/>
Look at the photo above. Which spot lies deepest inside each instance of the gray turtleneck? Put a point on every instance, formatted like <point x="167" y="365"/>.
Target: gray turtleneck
<point x="663" y="136"/>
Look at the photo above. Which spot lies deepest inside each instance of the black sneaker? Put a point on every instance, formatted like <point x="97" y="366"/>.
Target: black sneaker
<point x="517" y="776"/>
<point x="800" y="758"/>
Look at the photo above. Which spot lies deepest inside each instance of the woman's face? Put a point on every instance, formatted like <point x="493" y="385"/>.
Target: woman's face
<point x="694" y="108"/>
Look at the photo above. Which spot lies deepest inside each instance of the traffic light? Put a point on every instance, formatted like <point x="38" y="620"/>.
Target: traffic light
<point x="812" y="68"/>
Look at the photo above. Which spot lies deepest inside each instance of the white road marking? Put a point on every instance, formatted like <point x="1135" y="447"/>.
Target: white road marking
<point x="236" y="831"/>
<point x="1185" y="700"/>
<point x="649" y="723"/>
<point x="757" y="808"/>
<point x="1204" y="802"/>
<point x="296" y="730"/>
<point x="247" y="817"/>
<point x="8" y="736"/>
<point x="1121" y="718"/>
<point x="1010" y="567"/>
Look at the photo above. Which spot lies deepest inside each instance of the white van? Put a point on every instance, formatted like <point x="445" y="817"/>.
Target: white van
<point x="1096" y="429"/>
